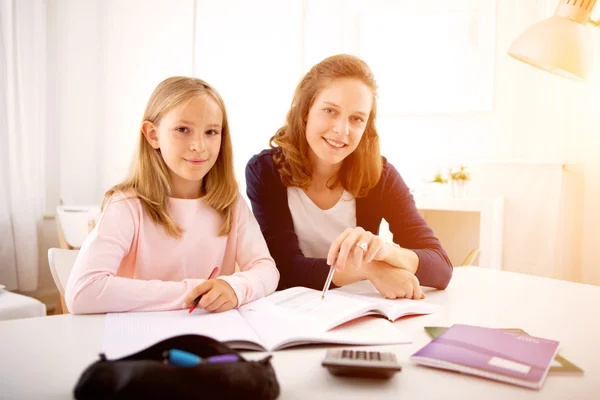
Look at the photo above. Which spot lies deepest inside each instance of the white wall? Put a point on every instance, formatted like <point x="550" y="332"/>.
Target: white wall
<point x="107" y="57"/>
<point x="531" y="121"/>
<point x="591" y="154"/>
<point x="250" y="52"/>
<point x="145" y="42"/>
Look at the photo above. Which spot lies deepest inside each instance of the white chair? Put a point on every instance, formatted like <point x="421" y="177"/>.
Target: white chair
<point x="74" y="223"/>
<point x="61" y="262"/>
<point x="471" y="257"/>
<point x="15" y="306"/>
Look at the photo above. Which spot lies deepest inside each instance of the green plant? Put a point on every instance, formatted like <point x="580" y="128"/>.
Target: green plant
<point x="460" y="174"/>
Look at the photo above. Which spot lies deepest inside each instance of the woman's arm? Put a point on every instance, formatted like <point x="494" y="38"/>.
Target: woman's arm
<point x="411" y="233"/>
<point x="268" y="197"/>
<point x="258" y="276"/>
<point x="392" y="282"/>
<point x="401" y="258"/>
<point x="93" y="286"/>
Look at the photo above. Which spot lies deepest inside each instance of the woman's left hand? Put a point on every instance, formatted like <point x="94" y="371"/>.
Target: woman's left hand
<point x="356" y="246"/>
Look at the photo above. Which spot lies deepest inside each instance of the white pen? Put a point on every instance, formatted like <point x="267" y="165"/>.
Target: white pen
<point x="328" y="281"/>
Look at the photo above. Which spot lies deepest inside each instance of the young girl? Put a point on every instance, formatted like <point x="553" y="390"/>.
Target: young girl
<point x="320" y="193"/>
<point x="177" y="217"/>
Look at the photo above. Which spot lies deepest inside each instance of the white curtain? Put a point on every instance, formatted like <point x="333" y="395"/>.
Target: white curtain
<point x="22" y="136"/>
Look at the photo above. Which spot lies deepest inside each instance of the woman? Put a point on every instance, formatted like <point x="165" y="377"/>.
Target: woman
<point x="320" y="192"/>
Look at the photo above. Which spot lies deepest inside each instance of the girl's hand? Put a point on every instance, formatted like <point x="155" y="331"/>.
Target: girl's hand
<point x="356" y="246"/>
<point x="392" y="282"/>
<point x="217" y="296"/>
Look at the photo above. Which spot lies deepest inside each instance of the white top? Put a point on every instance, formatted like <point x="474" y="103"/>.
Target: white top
<point x="475" y="295"/>
<point x="316" y="228"/>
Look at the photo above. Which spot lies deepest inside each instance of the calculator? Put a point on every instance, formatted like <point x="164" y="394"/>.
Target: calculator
<point x="363" y="364"/>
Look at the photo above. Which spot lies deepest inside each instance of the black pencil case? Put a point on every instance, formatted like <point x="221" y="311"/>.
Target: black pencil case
<point x="146" y="375"/>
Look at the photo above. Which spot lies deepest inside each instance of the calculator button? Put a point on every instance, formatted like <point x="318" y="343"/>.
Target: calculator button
<point x="367" y="364"/>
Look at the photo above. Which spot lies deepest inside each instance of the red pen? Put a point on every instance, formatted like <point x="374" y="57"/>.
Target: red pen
<point x="197" y="299"/>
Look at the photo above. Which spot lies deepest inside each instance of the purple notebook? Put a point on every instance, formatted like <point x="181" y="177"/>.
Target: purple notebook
<point x="509" y="357"/>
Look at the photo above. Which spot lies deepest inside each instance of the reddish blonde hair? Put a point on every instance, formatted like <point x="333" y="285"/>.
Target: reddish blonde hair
<point x="361" y="170"/>
<point x="149" y="178"/>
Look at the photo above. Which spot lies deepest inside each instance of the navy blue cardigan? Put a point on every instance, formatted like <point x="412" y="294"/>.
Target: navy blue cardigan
<point x="390" y="199"/>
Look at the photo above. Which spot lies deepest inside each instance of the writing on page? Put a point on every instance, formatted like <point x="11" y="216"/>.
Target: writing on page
<point x="311" y="302"/>
<point x="305" y="306"/>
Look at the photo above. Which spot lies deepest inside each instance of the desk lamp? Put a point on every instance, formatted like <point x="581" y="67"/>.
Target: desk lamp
<point x="559" y="44"/>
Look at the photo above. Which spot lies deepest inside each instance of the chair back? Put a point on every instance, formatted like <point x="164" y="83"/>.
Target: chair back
<point x="61" y="262"/>
<point x="471" y="257"/>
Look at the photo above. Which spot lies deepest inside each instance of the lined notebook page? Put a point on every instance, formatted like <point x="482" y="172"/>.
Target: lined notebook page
<point x="278" y="332"/>
<point x="127" y="333"/>
<point x="304" y="307"/>
<point x="393" y="309"/>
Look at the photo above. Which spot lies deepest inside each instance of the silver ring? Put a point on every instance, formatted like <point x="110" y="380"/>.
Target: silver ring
<point x="363" y="246"/>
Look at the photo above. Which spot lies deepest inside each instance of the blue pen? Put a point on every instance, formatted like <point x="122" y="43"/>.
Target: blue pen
<point x="185" y="359"/>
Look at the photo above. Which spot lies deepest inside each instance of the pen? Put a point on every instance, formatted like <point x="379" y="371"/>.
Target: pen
<point x="185" y="359"/>
<point x="328" y="281"/>
<point x="197" y="299"/>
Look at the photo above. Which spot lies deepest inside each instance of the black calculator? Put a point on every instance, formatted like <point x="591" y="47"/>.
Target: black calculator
<point x="363" y="364"/>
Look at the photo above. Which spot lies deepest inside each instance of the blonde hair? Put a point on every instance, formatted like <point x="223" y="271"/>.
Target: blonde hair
<point x="361" y="170"/>
<point x="149" y="177"/>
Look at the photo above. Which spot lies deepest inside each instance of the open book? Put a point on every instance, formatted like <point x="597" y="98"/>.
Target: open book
<point x="284" y="319"/>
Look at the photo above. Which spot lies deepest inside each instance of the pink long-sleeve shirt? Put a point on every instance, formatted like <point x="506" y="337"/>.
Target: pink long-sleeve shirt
<point x="129" y="263"/>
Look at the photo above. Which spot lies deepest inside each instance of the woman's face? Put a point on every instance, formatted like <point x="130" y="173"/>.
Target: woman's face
<point x="337" y="120"/>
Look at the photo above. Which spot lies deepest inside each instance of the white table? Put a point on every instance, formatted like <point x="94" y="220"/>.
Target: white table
<point x="42" y="358"/>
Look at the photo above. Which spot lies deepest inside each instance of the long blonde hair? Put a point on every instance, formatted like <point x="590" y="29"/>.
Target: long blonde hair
<point x="361" y="170"/>
<point x="149" y="177"/>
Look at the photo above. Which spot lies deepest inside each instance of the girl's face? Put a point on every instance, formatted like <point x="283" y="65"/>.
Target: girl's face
<point x="337" y="120"/>
<point x="189" y="139"/>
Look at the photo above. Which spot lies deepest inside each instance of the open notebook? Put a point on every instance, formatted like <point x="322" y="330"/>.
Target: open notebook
<point x="284" y="319"/>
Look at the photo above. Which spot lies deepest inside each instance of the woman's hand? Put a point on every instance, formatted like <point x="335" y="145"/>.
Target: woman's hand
<point x="356" y="246"/>
<point x="392" y="282"/>
<point x="217" y="296"/>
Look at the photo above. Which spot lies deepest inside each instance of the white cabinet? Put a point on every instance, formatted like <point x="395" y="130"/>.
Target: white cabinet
<point x="488" y="211"/>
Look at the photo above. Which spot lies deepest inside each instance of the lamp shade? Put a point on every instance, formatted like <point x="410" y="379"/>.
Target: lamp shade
<point x="560" y="44"/>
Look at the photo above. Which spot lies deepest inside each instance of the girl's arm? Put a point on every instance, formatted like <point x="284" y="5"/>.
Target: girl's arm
<point x="93" y="286"/>
<point x="258" y="276"/>
<point x="411" y="233"/>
